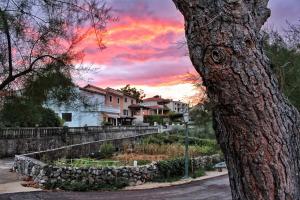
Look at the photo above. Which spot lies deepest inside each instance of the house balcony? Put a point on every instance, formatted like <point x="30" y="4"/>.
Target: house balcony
<point x="109" y="109"/>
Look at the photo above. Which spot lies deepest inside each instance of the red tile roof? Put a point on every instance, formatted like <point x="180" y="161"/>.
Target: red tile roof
<point x="93" y="88"/>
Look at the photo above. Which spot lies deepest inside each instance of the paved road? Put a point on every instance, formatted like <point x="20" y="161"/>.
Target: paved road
<point x="211" y="189"/>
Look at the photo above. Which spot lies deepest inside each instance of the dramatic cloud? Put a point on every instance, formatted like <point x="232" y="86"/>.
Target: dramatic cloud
<point x="142" y="46"/>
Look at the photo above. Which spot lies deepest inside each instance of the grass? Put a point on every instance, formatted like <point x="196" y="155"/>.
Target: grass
<point x="87" y="162"/>
<point x="113" y="162"/>
<point x="153" y="148"/>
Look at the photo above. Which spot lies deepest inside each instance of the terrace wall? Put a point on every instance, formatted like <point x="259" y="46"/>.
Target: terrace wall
<point x="14" y="141"/>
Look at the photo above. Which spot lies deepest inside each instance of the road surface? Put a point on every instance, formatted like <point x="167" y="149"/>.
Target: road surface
<point x="210" y="189"/>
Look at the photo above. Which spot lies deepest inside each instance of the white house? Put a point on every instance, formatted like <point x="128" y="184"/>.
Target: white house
<point x="87" y="110"/>
<point x="177" y="106"/>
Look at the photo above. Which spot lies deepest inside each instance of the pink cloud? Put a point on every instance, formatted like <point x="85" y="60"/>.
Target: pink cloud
<point x="141" y="46"/>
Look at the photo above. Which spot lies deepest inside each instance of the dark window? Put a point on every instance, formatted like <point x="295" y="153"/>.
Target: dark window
<point x="131" y="101"/>
<point x="110" y="98"/>
<point x="125" y="100"/>
<point x="118" y="100"/>
<point x="67" y="117"/>
<point x="125" y="112"/>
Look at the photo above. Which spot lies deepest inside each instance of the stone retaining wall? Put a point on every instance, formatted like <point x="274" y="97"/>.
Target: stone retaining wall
<point x="48" y="174"/>
<point x="15" y="141"/>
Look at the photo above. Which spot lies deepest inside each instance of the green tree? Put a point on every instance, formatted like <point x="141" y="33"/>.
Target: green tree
<point x="132" y="91"/>
<point x="35" y="33"/>
<point x="284" y="55"/>
<point x="19" y="112"/>
<point x="202" y="117"/>
<point x="55" y="84"/>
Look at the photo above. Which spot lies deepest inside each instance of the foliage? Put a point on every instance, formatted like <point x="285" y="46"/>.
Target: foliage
<point x="105" y="123"/>
<point x="48" y="118"/>
<point x="172" y="145"/>
<point x="144" y="162"/>
<point x="142" y="159"/>
<point x="19" y="112"/>
<point x="83" y="186"/>
<point x="107" y="150"/>
<point x="163" y="138"/>
<point x="284" y="54"/>
<point x="132" y="91"/>
<point x="175" y="117"/>
<point x="53" y="84"/>
<point x="36" y="33"/>
<point x="153" y="118"/>
<point x="175" y="150"/>
<point x="202" y="117"/>
<point x="86" y="163"/>
<point x="198" y="173"/>
<point x="171" y="168"/>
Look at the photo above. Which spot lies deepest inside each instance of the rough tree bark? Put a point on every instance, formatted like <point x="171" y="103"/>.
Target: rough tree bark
<point x="257" y="128"/>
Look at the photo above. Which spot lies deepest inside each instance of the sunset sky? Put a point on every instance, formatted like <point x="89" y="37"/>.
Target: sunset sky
<point x="142" y="47"/>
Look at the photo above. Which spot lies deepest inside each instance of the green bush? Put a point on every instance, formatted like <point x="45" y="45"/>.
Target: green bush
<point x="106" y="150"/>
<point x="20" y="112"/>
<point x="49" y="118"/>
<point x="153" y="118"/>
<point x="80" y="186"/>
<point x="198" y="173"/>
<point x="143" y="162"/>
<point x="171" y="168"/>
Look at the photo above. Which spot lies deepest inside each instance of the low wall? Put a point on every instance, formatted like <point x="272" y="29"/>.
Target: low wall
<point x="15" y="141"/>
<point x="48" y="174"/>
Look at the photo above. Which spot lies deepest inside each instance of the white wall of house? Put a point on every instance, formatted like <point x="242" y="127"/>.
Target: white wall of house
<point x="80" y="119"/>
<point x="82" y="115"/>
<point x="177" y="106"/>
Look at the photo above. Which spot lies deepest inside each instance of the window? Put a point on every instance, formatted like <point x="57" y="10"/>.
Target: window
<point x="131" y="101"/>
<point x="110" y="98"/>
<point x="118" y="100"/>
<point x="67" y="117"/>
<point x="125" y="100"/>
<point x="125" y="112"/>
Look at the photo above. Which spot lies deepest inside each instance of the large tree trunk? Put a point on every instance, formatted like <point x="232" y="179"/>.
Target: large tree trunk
<point x="257" y="128"/>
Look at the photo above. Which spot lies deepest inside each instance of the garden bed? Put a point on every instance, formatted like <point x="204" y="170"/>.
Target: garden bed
<point x="158" y="159"/>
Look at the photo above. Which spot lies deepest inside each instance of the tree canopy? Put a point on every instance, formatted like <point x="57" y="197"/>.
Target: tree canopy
<point x="284" y="54"/>
<point x="132" y="91"/>
<point x="35" y="33"/>
<point x="18" y="111"/>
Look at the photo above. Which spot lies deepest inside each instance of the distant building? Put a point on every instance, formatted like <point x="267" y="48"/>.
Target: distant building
<point x="97" y="106"/>
<point x="177" y="106"/>
<point x="156" y="105"/>
<point x="87" y="110"/>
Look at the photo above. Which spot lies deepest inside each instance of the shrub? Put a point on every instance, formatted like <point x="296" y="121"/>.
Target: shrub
<point x="153" y="118"/>
<point x="171" y="168"/>
<point x="20" y="112"/>
<point x="144" y="162"/>
<point x="81" y="186"/>
<point x="106" y="150"/>
<point x="198" y="173"/>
